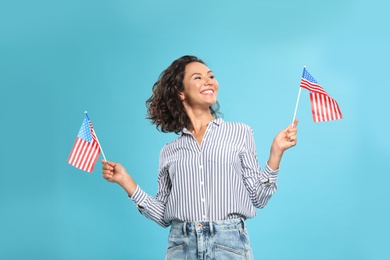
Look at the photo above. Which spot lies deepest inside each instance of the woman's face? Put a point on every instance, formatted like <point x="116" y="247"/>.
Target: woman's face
<point x="200" y="86"/>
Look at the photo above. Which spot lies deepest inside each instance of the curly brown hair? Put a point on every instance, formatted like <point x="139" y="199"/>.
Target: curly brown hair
<point x="165" y="108"/>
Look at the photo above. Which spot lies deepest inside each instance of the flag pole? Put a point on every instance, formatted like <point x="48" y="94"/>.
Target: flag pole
<point x="296" y="105"/>
<point x="97" y="139"/>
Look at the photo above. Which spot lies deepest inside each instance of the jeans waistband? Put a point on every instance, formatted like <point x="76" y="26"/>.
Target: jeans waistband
<point x="209" y="226"/>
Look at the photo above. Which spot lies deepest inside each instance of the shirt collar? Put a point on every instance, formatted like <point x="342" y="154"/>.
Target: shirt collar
<point x="216" y="122"/>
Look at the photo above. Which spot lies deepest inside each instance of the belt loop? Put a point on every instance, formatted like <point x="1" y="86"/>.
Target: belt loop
<point x="211" y="228"/>
<point x="185" y="229"/>
<point x="243" y="223"/>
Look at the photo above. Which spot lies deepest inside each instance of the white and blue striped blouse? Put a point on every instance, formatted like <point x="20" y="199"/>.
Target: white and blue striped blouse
<point x="217" y="180"/>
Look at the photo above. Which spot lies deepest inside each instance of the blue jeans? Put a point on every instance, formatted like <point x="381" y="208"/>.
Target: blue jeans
<point x="218" y="240"/>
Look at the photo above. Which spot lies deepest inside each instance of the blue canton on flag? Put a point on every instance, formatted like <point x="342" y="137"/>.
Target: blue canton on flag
<point x="85" y="131"/>
<point x="308" y="82"/>
<point x="306" y="75"/>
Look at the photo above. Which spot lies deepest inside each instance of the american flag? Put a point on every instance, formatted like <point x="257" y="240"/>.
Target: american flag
<point x="86" y="150"/>
<point x="324" y="108"/>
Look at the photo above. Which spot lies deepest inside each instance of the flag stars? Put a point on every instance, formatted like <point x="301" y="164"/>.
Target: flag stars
<point x="308" y="76"/>
<point x="85" y="132"/>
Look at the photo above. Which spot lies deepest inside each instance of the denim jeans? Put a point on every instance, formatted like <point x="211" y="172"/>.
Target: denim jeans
<point x="218" y="240"/>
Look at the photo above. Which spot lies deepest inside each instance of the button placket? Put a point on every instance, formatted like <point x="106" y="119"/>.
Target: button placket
<point x="202" y="188"/>
<point x="202" y="175"/>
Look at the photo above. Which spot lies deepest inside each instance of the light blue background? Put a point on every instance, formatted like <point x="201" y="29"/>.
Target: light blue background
<point x="59" y="58"/>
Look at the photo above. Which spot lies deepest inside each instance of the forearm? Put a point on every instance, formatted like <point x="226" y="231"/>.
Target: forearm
<point x="275" y="157"/>
<point x="128" y="184"/>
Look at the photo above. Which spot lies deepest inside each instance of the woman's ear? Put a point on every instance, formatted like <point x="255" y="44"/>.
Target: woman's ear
<point x="181" y="95"/>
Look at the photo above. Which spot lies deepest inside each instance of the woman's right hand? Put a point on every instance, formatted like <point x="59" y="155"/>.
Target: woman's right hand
<point x="115" y="172"/>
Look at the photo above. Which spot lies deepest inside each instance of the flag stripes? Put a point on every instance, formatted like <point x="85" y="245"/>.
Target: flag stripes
<point x="324" y="108"/>
<point x="312" y="87"/>
<point x="86" y="150"/>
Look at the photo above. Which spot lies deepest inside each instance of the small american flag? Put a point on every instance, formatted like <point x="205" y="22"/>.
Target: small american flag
<point x="324" y="108"/>
<point x="86" y="149"/>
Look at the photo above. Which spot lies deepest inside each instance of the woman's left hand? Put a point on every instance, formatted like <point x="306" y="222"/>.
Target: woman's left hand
<point x="286" y="138"/>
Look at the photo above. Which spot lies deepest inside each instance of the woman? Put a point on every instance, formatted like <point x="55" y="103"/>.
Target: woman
<point x="209" y="180"/>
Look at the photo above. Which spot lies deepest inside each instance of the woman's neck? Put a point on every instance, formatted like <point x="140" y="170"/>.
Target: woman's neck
<point x="199" y="120"/>
<point x="200" y="125"/>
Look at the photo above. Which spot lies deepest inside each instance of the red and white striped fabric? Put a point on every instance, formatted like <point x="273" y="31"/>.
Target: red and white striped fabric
<point x="86" y="149"/>
<point x="324" y="108"/>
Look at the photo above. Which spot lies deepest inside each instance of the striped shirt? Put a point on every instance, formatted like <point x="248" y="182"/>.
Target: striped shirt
<point x="218" y="179"/>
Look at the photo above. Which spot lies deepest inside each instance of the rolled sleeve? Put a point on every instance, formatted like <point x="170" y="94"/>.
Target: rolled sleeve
<point x="270" y="175"/>
<point x="149" y="207"/>
<point x="139" y="196"/>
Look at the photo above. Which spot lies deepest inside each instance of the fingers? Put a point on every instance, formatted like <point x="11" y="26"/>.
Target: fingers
<point x="295" y="123"/>
<point x="108" y="170"/>
<point x="293" y="127"/>
<point x="291" y="133"/>
<point x="108" y="163"/>
<point x="291" y="137"/>
<point x="286" y="138"/>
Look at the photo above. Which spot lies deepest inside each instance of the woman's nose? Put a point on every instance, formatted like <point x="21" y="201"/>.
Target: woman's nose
<point x="208" y="81"/>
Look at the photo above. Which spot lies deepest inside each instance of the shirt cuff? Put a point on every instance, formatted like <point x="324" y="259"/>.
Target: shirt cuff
<point x="139" y="196"/>
<point x="271" y="175"/>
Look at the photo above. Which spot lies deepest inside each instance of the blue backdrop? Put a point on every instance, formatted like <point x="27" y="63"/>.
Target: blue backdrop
<point x="60" y="58"/>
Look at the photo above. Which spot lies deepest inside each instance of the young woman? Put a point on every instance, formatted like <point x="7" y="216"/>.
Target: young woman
<point x="209" y="179"/>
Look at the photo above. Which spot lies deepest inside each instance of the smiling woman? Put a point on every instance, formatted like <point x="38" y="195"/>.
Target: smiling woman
<point x="209" y="179"/>
<point x="166" y="107"/>
<point x="200" y="87"/>
<point x="199" y="94"/>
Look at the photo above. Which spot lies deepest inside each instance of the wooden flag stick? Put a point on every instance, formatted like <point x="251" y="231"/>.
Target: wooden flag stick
<point x="296" y="105"/>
